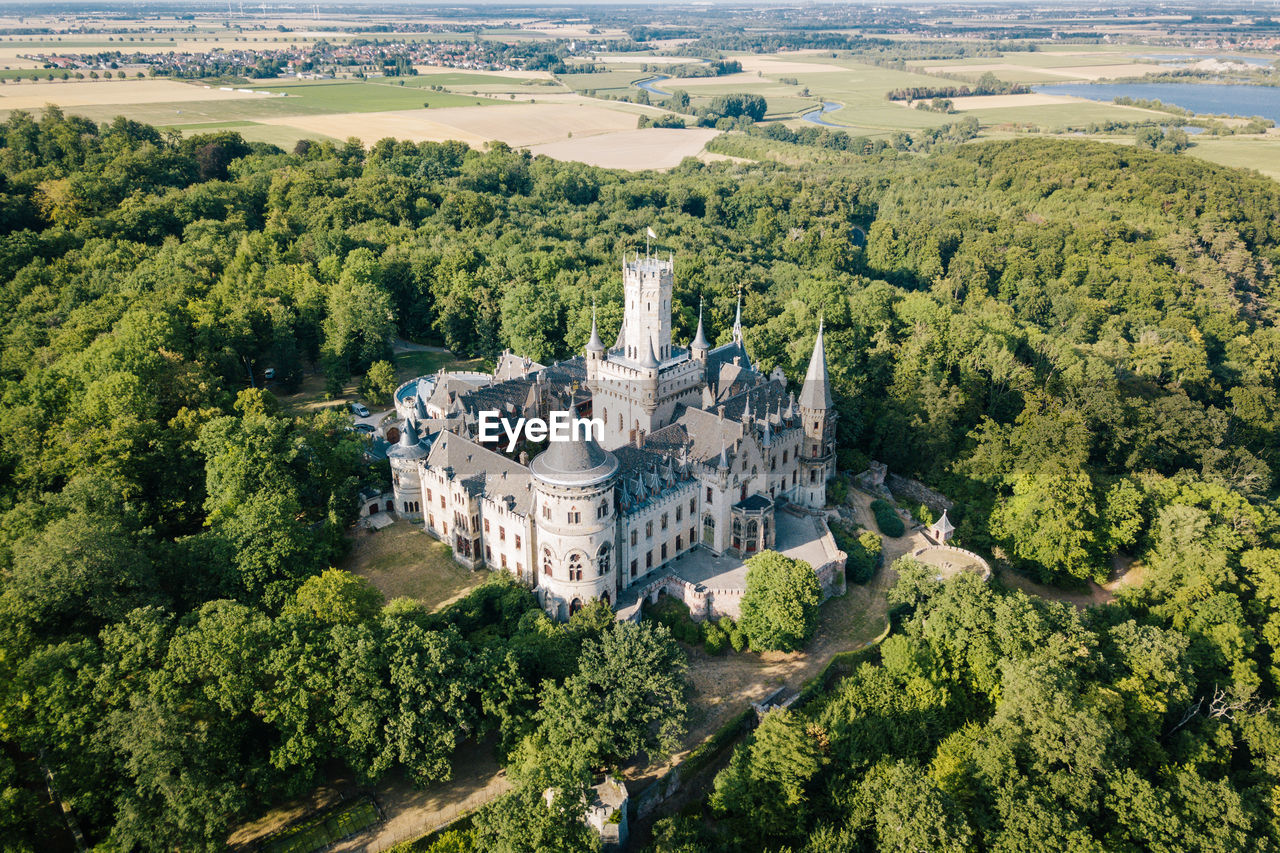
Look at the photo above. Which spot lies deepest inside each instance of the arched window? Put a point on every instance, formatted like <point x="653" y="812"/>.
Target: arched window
<point x="708" y="529"/>
<point x="546" y="561"/>
<point x="575" y="566"/>
<point x="602" y="559"/>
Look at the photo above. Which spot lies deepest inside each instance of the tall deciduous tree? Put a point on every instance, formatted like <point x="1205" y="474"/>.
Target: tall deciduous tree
<point x="780" y="605"/>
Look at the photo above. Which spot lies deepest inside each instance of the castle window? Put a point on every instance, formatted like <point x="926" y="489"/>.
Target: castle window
<point x="504" y="561"/>
<point x="546" y="511"/>
<point x="602" y="559"/>
<point x="442" y="502"/>
<point x="517" y="540"/>
<point x="708" y="529"/>
<point x="428" y="496"/>
<point x="664" y="552"/>
<point x="693" y="505"/>
<point x="502" y="533"/>
<point x="486" y="525"/>
<point x="633" y="568"/>
<point x="574" y="516"/>
<point x="431" y="520"/>
<point x="546" y="561"/>
<point x="648" y="560"/>
<point x="603" y="509"/>
<point x="679" y="544"/>
<point x="708" y="494"/>
<point x="488" y="554"/>
<point x="648" y="530"/>
<point x="575" y="566"/>
<point x="664" y="521"/>
<point x="679" y="513"/>
<point x="784" y="457"/>
<point x="693" y="536"/>
<point x="633" y="538"/>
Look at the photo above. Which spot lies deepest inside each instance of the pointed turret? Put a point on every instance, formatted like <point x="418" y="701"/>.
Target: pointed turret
<point x="700" y="344"/>
<point x="737" y="321"/>
<point x="724" y="456"/>
<point x="594" y="344"/>
<point x="816" y="393"/>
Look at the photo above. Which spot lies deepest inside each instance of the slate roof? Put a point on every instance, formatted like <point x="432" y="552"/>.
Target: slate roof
<point x="482" y="471"/>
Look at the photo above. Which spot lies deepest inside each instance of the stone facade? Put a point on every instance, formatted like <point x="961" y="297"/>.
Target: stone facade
<point x="699" y="450"/>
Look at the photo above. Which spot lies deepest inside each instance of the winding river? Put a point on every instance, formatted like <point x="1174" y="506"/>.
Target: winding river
<point x="648" y="86"/>
<point x="816" y="116"/>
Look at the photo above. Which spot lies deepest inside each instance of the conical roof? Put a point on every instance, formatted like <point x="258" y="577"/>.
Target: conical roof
<point x="816" y="392"/>
<point x="595" y="344"/>
<point x="576" y="462"/>
<point x="944" y="525"/>
<point x="737" y="321"/>
<point x="700" y="338"/>
<point x="408" y="447"/>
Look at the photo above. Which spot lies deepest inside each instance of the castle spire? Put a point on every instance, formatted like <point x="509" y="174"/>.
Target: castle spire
<point x="724" y="456"/>
<point x="816" y="392"/>
<point x="700" y="338"/>
<point x="595" y="344"/>
<point x="737" y="321"/>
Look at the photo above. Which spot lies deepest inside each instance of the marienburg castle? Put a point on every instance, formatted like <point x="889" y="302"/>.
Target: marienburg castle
<point x="704" y="461"/>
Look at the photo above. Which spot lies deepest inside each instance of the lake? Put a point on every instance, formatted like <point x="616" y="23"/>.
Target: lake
<point x="1208" y="98"/>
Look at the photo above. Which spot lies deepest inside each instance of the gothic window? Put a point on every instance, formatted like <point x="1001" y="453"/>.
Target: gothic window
<point x="633" y="538"/>
<point x="664" y="521"/>
<point x="648" y="529"/>
<point x="603" y="509"/>
<point x="708" y="529"/>
<point x="708" y="494"/>
<point x="546" y="511"/>
<point x="679" y="513"/>
<point x="546" y="561"/>
<point x="633" y="568"/>
<point x="574" y="515"/>
<point x="693" y="505"/>
<point x="517" y="540"/>
<point x="602" y="559"/>
<point x="575" y="566"/>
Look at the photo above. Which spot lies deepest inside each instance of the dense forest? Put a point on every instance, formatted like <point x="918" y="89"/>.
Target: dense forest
<point x="1075" y="341"/>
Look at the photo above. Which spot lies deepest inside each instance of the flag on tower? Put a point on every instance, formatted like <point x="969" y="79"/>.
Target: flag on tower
<point x="652" y="234"/>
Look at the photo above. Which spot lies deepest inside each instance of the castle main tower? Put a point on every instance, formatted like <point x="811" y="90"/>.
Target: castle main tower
<point x="574" y="516"/>
<point x="647" y="283"/>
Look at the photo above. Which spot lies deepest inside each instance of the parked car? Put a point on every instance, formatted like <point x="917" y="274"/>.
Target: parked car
<point x="367" y="429"/>
<point x="360" y="410"/>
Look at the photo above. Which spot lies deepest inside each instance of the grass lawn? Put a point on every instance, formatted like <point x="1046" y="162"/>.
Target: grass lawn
<point x="369" y="96"/>
<point x="1055" y="116"/>
<point x="411" y="364"/>
<point x="403" y="561"/>
<point x="1242" y="152"/>
<point x="462" y="82"/>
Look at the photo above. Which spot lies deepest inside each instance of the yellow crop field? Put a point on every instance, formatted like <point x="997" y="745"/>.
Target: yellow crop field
<point x="26" y="96"/>
<point x="651" y="148"/>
